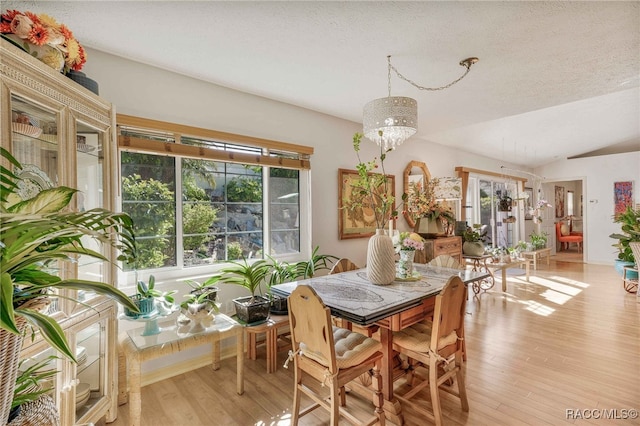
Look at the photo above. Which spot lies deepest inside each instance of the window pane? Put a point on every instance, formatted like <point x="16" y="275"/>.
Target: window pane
<point x="198" y="212"/>
<point x="243" y="211"/>
<point x="148" y="196"/>
<point x="284" y="187"/>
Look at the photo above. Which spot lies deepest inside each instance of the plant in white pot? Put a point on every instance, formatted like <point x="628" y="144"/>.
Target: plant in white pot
<point x="474" y="240"/>
<point x="36" y="234"/>
<point x="374" y="192"/>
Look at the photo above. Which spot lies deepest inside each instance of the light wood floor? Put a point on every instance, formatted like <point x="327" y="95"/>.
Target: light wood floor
<point x="568" y="340"/>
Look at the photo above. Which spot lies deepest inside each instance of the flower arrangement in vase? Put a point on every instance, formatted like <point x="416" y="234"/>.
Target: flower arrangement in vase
<point x="421" y="203"/>
<point x="406" y="244"/>
<point x="537" y="212"/>
<point x="44" y="38"/>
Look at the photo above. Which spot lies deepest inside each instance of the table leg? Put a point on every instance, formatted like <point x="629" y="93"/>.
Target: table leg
<point x="392" y="408"/>
<point x="215" y="353"/>
<point x="135" y="398"/>
<point x="272" y="348"/>
<point x="240" y="362"/>
<point x="526" y="263"/>
<point x="504" y="279"/>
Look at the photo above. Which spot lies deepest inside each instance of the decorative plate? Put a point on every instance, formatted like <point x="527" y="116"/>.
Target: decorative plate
<point x="414" y="277"/>
<point x="33" y="180"/>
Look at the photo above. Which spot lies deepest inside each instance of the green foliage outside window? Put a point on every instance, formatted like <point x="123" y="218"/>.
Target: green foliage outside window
<point x="244" y="189"/>
<point x="150" y="203"/>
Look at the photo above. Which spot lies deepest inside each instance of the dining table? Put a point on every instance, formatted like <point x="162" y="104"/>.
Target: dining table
<point x="351" y="296"/>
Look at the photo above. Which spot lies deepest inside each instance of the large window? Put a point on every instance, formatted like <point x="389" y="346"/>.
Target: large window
<point x="196" y="207"/>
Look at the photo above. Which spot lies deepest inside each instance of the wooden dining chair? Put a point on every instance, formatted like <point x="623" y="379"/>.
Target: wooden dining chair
<point x="331" y="356"/>
<point x="437" y="346"/>
<point x="343" y="265"/>
<point x="446" y="261"/>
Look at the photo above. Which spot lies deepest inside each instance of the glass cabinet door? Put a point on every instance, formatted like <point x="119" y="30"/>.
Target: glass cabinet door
<point x="91" y="368"/>
<point x="35" y="144"/>
<point x="90" y="184"/>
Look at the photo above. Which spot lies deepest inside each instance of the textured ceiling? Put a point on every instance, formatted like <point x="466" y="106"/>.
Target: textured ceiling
<point x="555" y="79"/>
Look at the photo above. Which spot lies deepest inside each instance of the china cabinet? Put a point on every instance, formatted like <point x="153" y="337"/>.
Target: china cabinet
<point x="63" y="135"/>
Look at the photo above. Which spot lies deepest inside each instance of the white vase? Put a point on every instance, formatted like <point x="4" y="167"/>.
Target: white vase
<point x="381" y="269"/>
<point x="405" y="264"/>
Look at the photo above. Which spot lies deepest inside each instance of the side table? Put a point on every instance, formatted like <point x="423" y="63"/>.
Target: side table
<point x="271" y="329"/>
<point x="630" y="279"/>
<point x="171" y="339"/>
<point x="479" y="264"/>
<point x="537" y="254"/>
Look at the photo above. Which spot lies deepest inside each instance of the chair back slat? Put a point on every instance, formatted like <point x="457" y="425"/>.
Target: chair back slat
<point x="343" y="265"/>
<point x="449" y="311"/>
<point x="311" y="328"/>
<point x="445" y="261"/>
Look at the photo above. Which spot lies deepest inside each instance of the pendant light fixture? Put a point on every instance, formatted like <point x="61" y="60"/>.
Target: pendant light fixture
<point x="392" y="120"/>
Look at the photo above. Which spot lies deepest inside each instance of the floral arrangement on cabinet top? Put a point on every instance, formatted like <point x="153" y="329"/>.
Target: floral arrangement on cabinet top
<point x="421" y="202"/>
<point x="43" y="37"/>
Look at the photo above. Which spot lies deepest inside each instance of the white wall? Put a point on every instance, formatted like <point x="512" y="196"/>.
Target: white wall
<point x="599" y="174"/>
<point x="141" y="90"/>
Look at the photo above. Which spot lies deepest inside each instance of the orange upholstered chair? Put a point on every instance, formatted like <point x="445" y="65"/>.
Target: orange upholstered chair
<point x="564" y="237"/>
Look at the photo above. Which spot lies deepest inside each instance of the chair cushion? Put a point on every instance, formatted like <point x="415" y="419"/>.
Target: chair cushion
<point x="417" y="338"/>
<point x="351" y="348"/>
<point x="564" y="229"/>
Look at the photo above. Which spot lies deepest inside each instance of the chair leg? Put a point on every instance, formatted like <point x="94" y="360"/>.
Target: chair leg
<point x="335" y="404"/>
<point x="435" y="396"/>
<point x="295" y="415"/>
<point x="462" y="390"/>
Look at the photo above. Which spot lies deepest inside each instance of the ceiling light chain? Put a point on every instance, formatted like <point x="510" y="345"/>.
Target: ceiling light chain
<point x="392" y="120"/>
<point x="465" y="63"/>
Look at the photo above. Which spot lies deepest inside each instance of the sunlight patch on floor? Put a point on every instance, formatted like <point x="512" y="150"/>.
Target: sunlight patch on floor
<point x="556" y="296"/>
<point x="538" y="308"/>
<point x="555" y="283"/>
<point x="284" y="420"/>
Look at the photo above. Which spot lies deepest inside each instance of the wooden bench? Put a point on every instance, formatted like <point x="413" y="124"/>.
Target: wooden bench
<point x="536" y="254"/>
<point x="273" y="332"/>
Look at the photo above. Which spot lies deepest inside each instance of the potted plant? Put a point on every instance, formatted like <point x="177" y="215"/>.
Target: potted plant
<point x="504" y="201"/>
<point x="208" y="286"/>
<point x="149" y="298"/>
<point x="255" y="308"/>
<point x="35" y="234"/>
<point x="198" y="307"/>
<point x="474" y="240"/>
<point x="629" y="221"/>
<point x="29" y="381"/>
<point x="538" y="241"/>
<point x="282" y="272"/>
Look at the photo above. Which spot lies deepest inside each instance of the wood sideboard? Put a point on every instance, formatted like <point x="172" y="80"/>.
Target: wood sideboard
<point x="437" y="246"/>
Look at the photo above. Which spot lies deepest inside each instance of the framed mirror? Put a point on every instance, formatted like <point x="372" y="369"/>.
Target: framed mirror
<point x="417" y="173"/>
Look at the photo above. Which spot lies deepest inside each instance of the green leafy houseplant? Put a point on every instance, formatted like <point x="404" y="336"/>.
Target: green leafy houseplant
<point x="35" y="235"/>
<point x="28" y="382"/>
<point x="147" y="297"/>
<point x="629" y="222"/>
<point x="538" y="241"/>
<point x="254" y="308"/>
<point x="473" y="240"/>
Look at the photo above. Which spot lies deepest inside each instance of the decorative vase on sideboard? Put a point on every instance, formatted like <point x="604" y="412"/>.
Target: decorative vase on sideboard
<point x="473" y="248"/>
<point x="381" y="268"/>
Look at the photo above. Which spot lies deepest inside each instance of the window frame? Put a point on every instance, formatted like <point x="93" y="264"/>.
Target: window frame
<point x="295" y="157"/>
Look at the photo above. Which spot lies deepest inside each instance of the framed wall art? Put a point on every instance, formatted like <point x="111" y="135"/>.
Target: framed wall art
<point x="355" y="218"/>
<point x="622" y="196"/>
<point x="559" y="201"/>
<point x="528" y="204"/>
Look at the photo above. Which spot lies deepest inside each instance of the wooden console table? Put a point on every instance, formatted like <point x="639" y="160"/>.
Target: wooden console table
<point x="433" y="248"/>
<point x="537" y="254"/>
<point x="271" y="329"/>
<point x="137" y="348"/>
